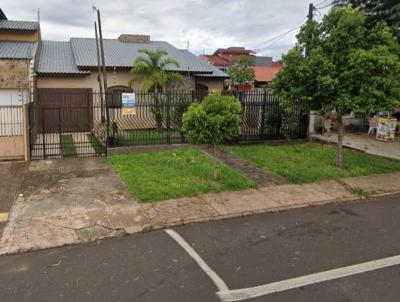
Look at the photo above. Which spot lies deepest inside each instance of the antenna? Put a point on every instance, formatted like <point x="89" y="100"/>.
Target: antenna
<point x="38" y="15"/>
<point x="188" y="44"/>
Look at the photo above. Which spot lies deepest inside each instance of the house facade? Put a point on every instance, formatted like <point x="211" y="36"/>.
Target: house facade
<point x="18" y="45"/>
<point x="73" y="64"/>
<point x="265" y="68"/>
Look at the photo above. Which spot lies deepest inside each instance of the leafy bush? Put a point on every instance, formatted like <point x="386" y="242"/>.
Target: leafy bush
<point x="215" y="120"/>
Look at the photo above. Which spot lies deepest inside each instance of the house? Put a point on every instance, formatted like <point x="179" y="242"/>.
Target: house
<point x="265" y="74"/>
<point x="265" y="68"/>
<point x="73" y="64"/>
<point x="18" y="44"/>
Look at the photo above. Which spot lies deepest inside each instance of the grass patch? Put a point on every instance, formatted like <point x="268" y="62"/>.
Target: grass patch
<point x="96" y="144"/>
<point x="312" y="162"/>
<point x="67" y="145"/>
<point x="164" y="175"/>
<point x="141" y="137"/>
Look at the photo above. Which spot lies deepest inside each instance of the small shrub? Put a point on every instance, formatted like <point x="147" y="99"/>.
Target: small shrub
<point x="214" y="121"/>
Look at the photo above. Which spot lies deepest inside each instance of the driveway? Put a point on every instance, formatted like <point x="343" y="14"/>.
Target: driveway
<point x="11" y="174"/>
<point x="68" y="201"/>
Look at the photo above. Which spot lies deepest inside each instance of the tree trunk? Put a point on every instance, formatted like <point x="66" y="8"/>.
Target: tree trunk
<point x="214" y="164"/>
<point x="340" y="131"/>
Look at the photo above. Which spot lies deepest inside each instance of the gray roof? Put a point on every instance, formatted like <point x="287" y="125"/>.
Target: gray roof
<point x="80" y="54"/>
<point x="122" y="54"/>
<point x="18" y="25"/>
<point x="17" y="50"/>
<point x="57" y="57"/>
<point x="217" y="73"/>
<point x="263" y="61"/>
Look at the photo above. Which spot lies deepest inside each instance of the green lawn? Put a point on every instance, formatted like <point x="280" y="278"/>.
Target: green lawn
<point x="141" y="137"/>
<point x="311" y="162"/>
<point x="67" y="145"/>
<point x="163" y="175"/>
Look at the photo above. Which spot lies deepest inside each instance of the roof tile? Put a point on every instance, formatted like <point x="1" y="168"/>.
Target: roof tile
<point x="18" y="25"/>
<point x="17" y="50"/>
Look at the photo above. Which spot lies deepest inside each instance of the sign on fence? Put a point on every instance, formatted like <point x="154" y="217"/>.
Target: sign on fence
<point x="128" y="103"/>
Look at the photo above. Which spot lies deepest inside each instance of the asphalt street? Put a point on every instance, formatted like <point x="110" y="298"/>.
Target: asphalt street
<point x="244" y="252"/>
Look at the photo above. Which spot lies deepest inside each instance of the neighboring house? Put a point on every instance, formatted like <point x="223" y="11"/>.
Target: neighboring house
<point x="73" y="64"/>
<point x="18" y="44"/>
<point x="265" y="74"/>
<point x="265" y="68"/>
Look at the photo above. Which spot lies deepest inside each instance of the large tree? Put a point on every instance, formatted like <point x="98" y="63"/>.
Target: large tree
<point x="150" y="69"/>
<point x="378" y="10"/>
<point x="350" y="68"/>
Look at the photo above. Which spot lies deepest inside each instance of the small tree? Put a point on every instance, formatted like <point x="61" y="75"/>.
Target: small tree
<point x="241" y="72"/>
<point x="351" y="68"/>
<point x="214" y="121"/>
<point x="150" y="70"/>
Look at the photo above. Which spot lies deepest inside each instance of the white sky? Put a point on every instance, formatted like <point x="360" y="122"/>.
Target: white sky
<point x="207" y="24"/>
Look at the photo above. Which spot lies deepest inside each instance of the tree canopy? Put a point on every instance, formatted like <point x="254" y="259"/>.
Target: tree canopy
<point x="351" y="67"/>
<point x="378" y="10"/>
<point x="241" y="72"/>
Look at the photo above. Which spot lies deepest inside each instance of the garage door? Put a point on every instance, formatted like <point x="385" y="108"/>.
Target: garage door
<point x="64" y="110"/>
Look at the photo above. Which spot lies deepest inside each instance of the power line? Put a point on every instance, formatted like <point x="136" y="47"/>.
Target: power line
<point x="325" y="6"/>
<point x="322" y="3"/>
<point x="277" y="38"/>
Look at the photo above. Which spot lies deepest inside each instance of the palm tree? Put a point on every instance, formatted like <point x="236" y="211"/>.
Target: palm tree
<point x="150" y="70"/>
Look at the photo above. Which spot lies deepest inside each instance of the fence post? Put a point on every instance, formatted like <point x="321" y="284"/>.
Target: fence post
<point x="168" y="103"/>
<point x="43" y="135"/>
<point x="264" y="104"/>
<point x="25" y="116"/>
<point x="107" y="121"/>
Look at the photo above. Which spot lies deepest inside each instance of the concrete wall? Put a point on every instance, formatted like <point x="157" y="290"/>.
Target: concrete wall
<point x="12" y="147"/>
<point x="19" y="36"/>
<point x="120" y="78"/>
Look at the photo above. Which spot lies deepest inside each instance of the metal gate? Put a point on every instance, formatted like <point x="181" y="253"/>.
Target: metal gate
<point x="66" y="123"/>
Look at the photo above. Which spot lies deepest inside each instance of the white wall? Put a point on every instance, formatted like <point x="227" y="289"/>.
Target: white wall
<point x="13" y="97"/>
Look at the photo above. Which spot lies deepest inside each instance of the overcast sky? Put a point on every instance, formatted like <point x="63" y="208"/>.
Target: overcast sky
<point x="207" y="24"/>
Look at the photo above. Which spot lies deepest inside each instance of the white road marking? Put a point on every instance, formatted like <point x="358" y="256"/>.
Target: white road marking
<point x="257" y="291"/>
<point x="219" y="283"/>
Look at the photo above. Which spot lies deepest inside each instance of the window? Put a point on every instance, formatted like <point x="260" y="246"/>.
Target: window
<point x="114" y="95"/>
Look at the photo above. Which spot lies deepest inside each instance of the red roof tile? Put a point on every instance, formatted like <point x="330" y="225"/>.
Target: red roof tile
<point x="266" y="74"/>
<point x="217" y="60"/>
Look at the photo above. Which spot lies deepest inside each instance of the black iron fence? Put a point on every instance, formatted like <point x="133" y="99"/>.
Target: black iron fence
<point x="81" y="123"/>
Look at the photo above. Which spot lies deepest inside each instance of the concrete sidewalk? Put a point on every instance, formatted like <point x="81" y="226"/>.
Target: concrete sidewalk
<point x="69" y="202"/>
<point x="269" y="199"/>
<point x="365" y="143"/>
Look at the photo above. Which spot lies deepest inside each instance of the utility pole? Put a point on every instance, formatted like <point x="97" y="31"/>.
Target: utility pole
<point x="310" y="116"/>
<point x="99" y="74"/>
<point x="309" y="20"/>
<point x="103" y="61"/>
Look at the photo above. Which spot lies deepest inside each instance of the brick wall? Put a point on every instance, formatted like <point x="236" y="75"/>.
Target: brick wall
<point x="13" y="73"/>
